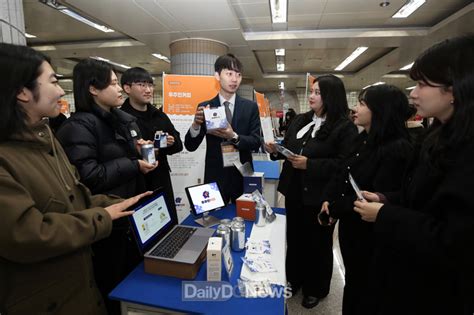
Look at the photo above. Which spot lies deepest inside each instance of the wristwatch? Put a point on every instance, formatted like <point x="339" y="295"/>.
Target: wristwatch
<point x="235" y="138"/>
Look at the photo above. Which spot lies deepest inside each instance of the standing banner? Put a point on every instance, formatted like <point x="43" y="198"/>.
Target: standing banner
<point x="265" y="117"/>
<point x="309" y="83"/>
<point x="181" y="95"/>
<point x="260" y="99"/>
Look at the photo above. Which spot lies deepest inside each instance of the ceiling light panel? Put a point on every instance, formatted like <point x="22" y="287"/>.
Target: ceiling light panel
<point x="410" y="7"/>
<point x="356" y="53"/>
<point x="111" y="62"/>
<point x="407" y="67"/>
<point x="280" y="52"/>
<point x="279" y="10"/>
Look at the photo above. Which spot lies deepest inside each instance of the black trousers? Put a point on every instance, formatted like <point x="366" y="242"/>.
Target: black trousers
<point x="113" y="259"/>
<point x="356" y="242"/>
<point x="305" y="239"/>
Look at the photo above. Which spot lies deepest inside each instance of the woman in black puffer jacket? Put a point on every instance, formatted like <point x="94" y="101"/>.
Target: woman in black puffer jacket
<point x="101" y="141"/>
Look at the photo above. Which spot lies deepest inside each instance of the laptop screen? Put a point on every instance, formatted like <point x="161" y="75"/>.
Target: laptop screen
<point x="204" y="198"/>
<point x="151" y="220"/>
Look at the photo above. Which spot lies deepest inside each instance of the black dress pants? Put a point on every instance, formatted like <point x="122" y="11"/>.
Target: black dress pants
<point x="309" y="257"/>
<point x="113" y="259"/>
<point x="356" y="242"/>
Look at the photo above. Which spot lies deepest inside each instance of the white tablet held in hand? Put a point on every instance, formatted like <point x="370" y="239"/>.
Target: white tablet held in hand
<point x="356" y="188"/>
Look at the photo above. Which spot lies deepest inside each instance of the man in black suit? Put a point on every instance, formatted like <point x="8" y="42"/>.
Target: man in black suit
<point x="241" y="136"/>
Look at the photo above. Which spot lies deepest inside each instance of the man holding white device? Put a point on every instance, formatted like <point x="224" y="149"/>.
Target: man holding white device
<point x="155" y="126"/>
<point x="234" y="142"/>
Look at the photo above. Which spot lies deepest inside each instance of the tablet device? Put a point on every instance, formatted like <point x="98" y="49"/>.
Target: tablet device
<point x="204" y="198"/>
<point x="356" y="188"/>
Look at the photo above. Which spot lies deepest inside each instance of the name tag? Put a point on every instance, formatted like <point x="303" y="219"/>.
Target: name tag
<point x="230" y="154"/>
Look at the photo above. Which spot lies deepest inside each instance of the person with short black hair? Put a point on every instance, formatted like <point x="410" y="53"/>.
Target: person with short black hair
<point x="102" y="142"/>
<point x="424" y="234"/>
<point x="49" y="218"/>
<point x="139" y="86"/>
<point x="242" y="133"/>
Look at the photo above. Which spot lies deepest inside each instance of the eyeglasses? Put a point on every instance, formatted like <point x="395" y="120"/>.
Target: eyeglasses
<point x="143" y="85"/>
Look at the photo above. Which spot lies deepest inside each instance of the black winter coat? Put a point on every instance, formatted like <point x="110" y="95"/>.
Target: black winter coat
<point x="101" y="145"/>
<point x="324" y="152"/>
<point x="373" y="168"/>
<point x="149" y="122"/>
<point x="425" y="246"/>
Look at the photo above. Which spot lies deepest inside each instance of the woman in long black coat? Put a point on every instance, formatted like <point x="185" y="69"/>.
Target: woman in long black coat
<point x="379" y="157"/>
<point x="320" y="138"/>
<point x="424" y="253"/>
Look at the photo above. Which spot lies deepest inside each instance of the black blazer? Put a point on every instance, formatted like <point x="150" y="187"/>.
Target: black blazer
<point x="246" y="123"/>
<point x="424" y="254"/>
<point x="324" y="152"/>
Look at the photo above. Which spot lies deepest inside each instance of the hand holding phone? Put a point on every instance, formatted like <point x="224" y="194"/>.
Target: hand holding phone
<point x="356" y="188"/>
<point x="281" y="149"/>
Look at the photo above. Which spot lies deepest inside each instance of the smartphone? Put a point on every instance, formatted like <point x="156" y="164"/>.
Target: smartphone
<point x="283" y="150"/>
<point x="356" y="188"/>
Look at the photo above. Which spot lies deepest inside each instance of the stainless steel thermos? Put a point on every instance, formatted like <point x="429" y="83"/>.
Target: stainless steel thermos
<point x="238" y="236"/>
<point x="224" y="232"/>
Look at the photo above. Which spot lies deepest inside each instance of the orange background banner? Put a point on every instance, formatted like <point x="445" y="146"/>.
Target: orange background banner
<point x="64" y="106"/>
<point x="311" y="80"/>
<point x="263" y="104"/>
<point x="267" y="107"/>
<point x="260" y="99"/>
<point x="182" y="93"/>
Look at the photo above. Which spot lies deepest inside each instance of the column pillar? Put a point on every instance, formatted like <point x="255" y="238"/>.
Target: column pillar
<point x="195" y="56"/>
<point x="12" y="22"/>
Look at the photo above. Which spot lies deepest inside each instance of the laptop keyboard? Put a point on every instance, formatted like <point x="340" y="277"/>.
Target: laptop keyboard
<point x="171" y="245"/>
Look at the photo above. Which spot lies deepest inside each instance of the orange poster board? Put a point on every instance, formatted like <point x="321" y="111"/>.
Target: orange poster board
<point x="64" y="106"/>
<point x="260" y="99"/>
<point x="311" y="80"/>
<point x="267" y="107"/>
<point x="182" y="93"/>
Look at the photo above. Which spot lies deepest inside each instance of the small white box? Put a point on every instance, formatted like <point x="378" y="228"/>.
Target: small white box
<point x="214" y="259"/>
<point x="215" y="118"/>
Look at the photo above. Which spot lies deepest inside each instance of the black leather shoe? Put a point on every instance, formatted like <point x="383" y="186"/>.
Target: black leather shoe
<point x="294" y="289"/>
<point x="310" y="301"/>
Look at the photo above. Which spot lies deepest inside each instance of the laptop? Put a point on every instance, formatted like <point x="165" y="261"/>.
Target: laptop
<point x="160" y="237"/>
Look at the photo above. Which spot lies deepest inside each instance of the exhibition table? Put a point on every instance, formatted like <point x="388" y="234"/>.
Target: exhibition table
<point x="140" y="291"/>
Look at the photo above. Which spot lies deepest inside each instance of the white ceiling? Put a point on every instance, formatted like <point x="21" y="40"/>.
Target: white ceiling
<point x="318" y="36"/>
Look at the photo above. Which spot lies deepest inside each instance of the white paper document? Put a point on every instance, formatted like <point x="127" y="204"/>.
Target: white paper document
<point x="275" y="233"/>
